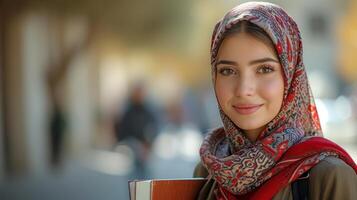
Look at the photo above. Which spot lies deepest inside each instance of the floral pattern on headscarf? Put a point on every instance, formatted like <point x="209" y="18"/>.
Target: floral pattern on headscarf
<point x="250" y="164"/>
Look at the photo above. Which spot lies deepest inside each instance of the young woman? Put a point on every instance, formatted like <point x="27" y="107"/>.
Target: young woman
<point x="271" y="145"/>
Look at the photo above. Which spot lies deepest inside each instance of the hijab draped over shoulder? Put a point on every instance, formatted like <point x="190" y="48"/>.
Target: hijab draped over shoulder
<point x="292" y="142"/>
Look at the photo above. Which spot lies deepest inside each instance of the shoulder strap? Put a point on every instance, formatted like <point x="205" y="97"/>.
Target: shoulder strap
<point x="300" y="187"/>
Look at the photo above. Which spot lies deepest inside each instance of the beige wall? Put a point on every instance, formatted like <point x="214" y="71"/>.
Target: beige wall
<point x="2" y="154"/>
<point x="14" y="95"/>
<point x="36" y="53"/>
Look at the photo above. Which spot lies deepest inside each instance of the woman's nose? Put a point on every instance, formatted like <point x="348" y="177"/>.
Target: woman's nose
<point x="245" y="86"/>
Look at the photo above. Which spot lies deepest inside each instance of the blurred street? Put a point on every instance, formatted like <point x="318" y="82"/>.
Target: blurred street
<point x="77" y="180"/>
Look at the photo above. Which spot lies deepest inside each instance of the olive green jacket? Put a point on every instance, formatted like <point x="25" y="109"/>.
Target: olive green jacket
<point x="330" y="179"/>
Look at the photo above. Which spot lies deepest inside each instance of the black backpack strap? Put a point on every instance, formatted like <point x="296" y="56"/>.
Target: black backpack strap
<point x="300" y="187"/>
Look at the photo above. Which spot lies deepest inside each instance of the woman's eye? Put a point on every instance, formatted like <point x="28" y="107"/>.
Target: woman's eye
<point x="226" y="71"/>
<point x="265" y="69"/>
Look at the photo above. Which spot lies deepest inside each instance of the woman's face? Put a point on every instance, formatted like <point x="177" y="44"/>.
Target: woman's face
<point x="249" y="82"/>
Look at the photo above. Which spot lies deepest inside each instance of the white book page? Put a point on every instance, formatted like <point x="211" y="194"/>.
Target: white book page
<point x="132" y="186"/>
<point x="143" y="190"/>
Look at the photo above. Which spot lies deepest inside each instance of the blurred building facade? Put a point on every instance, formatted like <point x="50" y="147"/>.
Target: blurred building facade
<point x="36" y="48"/>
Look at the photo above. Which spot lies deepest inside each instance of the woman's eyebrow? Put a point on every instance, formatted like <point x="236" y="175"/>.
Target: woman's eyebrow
<point x="261" y="60"/>
<point x="228" y="62"/>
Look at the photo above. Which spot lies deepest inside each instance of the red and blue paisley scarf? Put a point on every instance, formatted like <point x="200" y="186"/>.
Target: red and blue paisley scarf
<point x="292" y="142"/>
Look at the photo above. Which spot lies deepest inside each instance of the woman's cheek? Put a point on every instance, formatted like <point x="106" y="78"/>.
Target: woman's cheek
<point x="272" y="89"/>
<point x="224" y="92"/>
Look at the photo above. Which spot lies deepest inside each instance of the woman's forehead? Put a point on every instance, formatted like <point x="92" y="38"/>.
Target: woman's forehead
<point x="243" y="46"/>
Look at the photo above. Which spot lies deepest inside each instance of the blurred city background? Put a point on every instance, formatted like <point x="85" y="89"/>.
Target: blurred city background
<point x="96" y="93"/>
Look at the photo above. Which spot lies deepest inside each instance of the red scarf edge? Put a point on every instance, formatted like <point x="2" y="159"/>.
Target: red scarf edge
<point x="302" y="150"/>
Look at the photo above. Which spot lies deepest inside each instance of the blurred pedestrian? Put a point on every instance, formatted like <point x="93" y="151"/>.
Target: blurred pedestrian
<point x="137" y="127"/>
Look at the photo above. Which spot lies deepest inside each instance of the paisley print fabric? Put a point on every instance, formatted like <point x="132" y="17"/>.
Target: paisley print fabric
<point x="247" y="165"/>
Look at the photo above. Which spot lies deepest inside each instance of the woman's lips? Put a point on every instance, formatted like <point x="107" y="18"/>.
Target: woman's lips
<point x="246" y="109"/>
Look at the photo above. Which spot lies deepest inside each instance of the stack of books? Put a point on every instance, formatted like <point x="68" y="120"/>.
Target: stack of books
<point x="162" y="189"/>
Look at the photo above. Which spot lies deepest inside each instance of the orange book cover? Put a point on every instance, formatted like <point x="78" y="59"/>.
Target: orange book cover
<point x="159" y="189"/>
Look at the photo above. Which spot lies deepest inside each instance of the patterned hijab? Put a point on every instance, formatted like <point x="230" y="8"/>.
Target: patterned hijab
<point x="240" y="166"/>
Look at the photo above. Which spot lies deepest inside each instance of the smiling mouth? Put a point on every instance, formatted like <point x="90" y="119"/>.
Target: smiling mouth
<point x="247" y="109"/>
